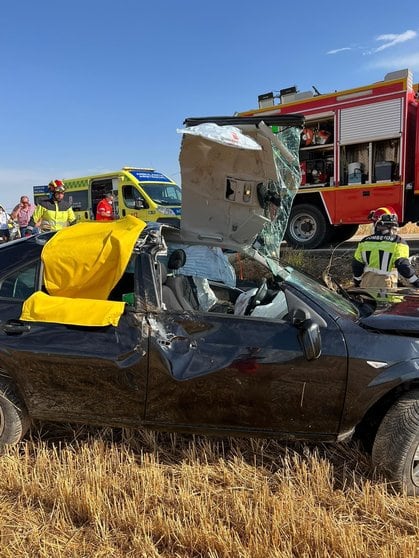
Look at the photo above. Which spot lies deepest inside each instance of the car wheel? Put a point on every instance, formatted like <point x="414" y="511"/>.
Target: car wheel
<point x="307" y="227"/>
<point x="396" y="447"/>
<point x="14" y="419"/>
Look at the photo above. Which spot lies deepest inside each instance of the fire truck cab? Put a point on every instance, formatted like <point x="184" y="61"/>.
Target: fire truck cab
<point x="358" y="151"/>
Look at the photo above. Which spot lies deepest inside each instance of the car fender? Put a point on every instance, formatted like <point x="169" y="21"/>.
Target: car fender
<point x="397" y="373"/>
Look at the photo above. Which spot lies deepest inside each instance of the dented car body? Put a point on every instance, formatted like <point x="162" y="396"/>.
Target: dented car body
<point x="193" y="349"/>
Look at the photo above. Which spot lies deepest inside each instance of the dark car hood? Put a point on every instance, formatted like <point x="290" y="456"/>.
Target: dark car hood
<point x="401" y="316"/>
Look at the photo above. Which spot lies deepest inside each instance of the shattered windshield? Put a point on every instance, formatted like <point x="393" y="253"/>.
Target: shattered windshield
<point x="285" y="144"/>
<point x="319" y="293"/>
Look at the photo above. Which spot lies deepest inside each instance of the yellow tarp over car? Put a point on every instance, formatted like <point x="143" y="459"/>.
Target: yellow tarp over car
<point x="85" y="261"/>
<point x="41" y="307"/>
<point x="88" y="259"/>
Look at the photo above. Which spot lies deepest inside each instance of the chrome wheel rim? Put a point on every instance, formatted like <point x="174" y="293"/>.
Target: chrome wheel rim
<point x="303" y="227"/>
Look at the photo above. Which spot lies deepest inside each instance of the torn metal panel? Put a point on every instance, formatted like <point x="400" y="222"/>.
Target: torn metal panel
<point x="237" y="197"/>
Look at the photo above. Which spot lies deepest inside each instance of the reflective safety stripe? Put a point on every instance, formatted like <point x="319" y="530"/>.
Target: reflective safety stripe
<point x="377" y="271"/>
<point x="53" y="225"/>
<point x="379" y="259"/>
<point x="365" y="256"/>
<point x="53" y="218"/>
<point x="384" y="260"/>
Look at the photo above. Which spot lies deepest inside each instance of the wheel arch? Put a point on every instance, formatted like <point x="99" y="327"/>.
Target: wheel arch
<point x="12" y="384"/>
<point x="366" y="429"/>
<point x="313" y="198"/>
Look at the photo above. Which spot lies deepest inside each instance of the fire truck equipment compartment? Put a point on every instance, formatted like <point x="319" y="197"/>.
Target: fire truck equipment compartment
<point x="384" y="170"/>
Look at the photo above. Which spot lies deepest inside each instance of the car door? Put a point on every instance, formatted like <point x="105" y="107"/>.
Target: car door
<point x="232" y="373"/>
<point x="74" y="373"/>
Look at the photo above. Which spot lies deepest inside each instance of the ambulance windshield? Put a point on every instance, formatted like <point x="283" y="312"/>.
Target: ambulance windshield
<point x="163" y="193"/>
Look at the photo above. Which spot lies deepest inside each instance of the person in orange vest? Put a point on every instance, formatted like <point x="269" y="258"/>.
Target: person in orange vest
<point x="104" y="210"/>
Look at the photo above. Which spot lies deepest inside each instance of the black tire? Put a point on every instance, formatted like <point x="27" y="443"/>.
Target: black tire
<point x="342" y="233"/>
<point x="396" y="447"/>
<point x="307" y="227"/>
<point x="14" y="419"/>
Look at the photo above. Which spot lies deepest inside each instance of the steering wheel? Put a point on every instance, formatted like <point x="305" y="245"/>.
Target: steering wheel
<point x="258" y="297"/>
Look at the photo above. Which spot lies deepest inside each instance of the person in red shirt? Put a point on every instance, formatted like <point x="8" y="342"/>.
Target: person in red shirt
<point x="104" y="210"/>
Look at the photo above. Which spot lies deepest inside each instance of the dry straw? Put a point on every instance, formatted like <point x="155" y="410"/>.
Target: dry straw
<point x="105" y="493"/>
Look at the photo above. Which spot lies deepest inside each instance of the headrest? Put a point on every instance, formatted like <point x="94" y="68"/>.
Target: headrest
<point x="177" y="259"/>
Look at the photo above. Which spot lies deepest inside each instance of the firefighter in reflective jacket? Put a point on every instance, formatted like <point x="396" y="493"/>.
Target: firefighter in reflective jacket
<point x="53" y="213"/>
<point x="381" y="256"/>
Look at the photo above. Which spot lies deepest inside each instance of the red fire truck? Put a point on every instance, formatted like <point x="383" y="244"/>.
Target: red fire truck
<point x="359" y="151"/>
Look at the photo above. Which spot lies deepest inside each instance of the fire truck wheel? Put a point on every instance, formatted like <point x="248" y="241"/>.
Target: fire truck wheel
<point x="307" y="227"/>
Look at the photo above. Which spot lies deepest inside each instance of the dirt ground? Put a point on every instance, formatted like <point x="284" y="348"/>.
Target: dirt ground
<point x="336" y="264"/>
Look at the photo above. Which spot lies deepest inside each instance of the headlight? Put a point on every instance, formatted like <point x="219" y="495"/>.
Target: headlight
<point x="165" y="210"/>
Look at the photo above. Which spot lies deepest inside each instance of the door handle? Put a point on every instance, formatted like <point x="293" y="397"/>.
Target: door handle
<point x="15" y="327"/>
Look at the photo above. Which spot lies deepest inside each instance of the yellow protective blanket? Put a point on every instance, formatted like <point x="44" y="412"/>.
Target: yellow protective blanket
<point x="88" y="259"/>
<point x="41" y="307"/>
<point x="82" y="264"/>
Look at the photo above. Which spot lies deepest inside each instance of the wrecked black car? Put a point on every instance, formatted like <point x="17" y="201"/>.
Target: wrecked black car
<point x="134" y="324"/>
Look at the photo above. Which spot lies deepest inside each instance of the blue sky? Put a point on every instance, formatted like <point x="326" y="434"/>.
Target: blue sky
<point x="89" y="86"/>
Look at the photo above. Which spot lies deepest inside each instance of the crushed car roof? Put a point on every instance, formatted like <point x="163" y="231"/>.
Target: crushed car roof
<point x="239" y="178"/>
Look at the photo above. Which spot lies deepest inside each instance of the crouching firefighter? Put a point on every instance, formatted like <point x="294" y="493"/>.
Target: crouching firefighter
<point x="53" y="213"/>
<point x="381" y="256"/>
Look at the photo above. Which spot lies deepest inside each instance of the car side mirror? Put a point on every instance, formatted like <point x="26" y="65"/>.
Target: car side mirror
<point x="308" y="333"/>
<point x="139" y="204"/>
<point x="310" y="339"/>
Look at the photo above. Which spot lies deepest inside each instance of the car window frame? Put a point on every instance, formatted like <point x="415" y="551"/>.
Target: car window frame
<point x="35" y="262"/>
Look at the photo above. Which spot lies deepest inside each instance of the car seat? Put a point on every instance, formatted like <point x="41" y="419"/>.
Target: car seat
<point x="168" y="296"/>
<point x="181" y="285"/>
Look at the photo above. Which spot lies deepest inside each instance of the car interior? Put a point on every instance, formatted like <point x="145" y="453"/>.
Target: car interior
<point x="180" y="291"/>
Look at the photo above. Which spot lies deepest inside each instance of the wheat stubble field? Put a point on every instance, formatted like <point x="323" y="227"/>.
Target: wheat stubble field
<point x="68" y="491"/>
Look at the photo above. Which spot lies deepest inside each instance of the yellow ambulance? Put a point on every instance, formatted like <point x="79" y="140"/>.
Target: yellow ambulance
<point x="143" y="192"/>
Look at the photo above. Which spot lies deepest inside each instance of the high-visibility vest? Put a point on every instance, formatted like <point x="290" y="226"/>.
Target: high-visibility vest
<point x="53" y="215"/>
<point x="380" y="253"/>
